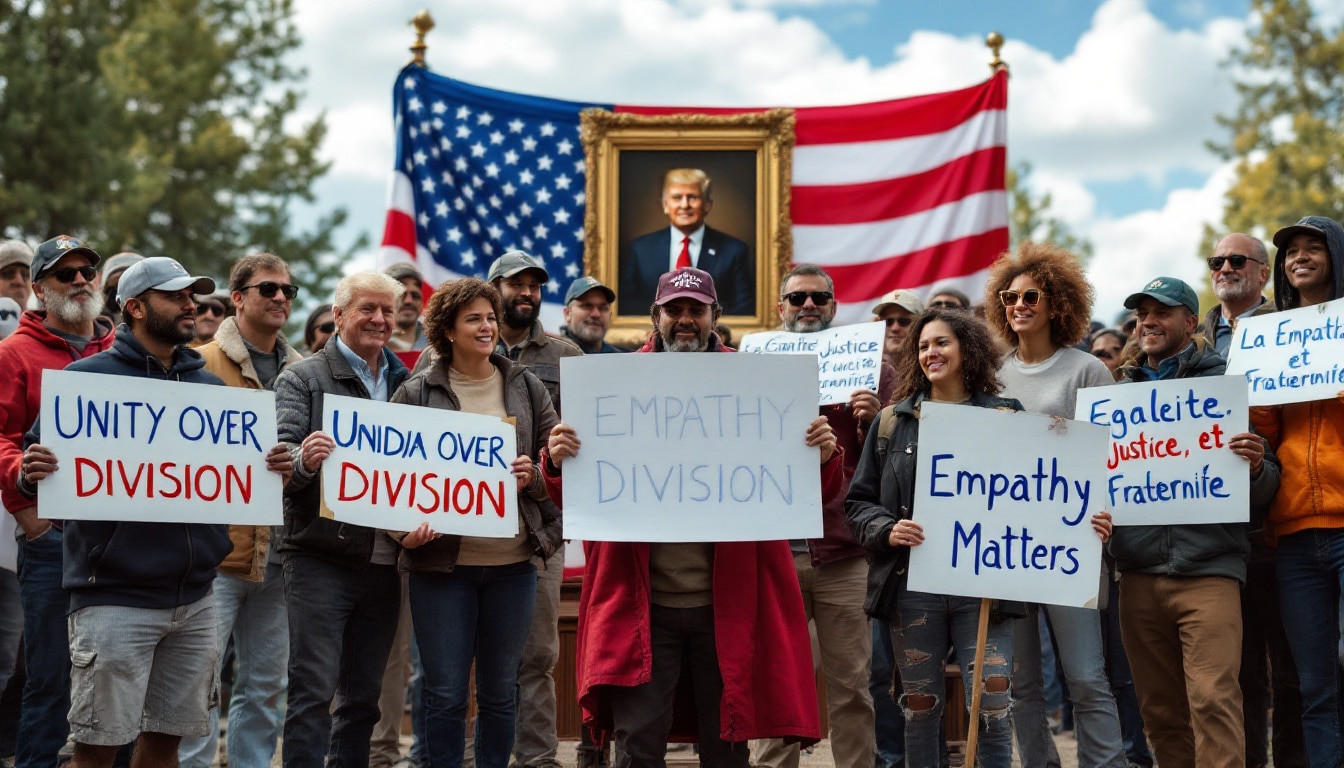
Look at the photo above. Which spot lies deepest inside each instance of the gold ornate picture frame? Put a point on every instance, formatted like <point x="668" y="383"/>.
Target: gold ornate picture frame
<point x="749" y="159"/>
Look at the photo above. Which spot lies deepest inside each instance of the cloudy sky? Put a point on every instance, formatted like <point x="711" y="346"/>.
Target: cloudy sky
<point x="1111" y="102"/>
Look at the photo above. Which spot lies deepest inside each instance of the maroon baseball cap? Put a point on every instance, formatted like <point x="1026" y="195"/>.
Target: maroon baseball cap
<point x="686" y="283"/>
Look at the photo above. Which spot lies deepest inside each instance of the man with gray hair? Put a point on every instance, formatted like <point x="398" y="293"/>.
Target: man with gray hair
<point x="1238" y="271"/>
<point x="16" y="260"/>
<point x="342" y="591"/>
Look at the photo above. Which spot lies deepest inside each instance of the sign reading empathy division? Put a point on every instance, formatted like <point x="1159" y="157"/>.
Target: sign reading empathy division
<point x="397" y="466"/>
<point x="1291" y="357"/>
<point x="1006" y="500"/>
<point x="1169" y="459"/>
<point x="158" y="451"/>
<point x="691" y="447"/>
<point x="848" y="357"/>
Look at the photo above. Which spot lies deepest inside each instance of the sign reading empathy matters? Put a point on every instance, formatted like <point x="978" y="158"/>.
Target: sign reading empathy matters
<point x="681" y="446"/>
<point x="1006" y="500"/>
<point x="397" y="466"/>
<point x="158" y="451"/>
<point x="1169" y="459"/>
<point x="848" y="357"/>
<point x="1291" y="357"/>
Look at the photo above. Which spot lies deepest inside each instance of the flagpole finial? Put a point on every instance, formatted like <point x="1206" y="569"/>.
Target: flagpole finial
<point x="994" y="42"/>
<point x="423" y="23"/>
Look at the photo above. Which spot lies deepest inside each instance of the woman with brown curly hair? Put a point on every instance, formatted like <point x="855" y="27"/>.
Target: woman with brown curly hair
<point x="948" y="357"/>
<point x="1044" y="305"/>
<point x="472" y="598"/>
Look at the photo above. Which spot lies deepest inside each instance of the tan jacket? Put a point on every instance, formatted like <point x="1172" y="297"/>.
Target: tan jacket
<point x="226" y="356"/>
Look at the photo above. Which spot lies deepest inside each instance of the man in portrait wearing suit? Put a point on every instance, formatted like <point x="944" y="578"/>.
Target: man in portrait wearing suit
<point x="687" y="200"/>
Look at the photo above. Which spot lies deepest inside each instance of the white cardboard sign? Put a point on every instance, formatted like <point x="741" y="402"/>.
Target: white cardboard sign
<point x="1292" y="356"/>
<point x="158" y="451"/>
<point x="397" y="466"/>
<point x="1006" y="500"/>
<point x="1169" y="460"/>
<point x="848" y="357"/>
<point x="691" y="447"/>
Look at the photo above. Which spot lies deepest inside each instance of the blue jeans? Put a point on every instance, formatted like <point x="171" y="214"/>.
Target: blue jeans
<point x="887" y="713"/>
<point x="1078" y="643"/>
<point x="1311" y="581"/>
<point x="924" y="627"/>
<point x="341" y="623"/>
<point x="253" y="612"/>
<point x="43" y="728"/>
<point x="11" y="624"/>
<point x="478" y="613"/>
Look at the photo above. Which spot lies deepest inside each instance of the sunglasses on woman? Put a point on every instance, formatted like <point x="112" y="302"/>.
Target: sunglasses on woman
<point x="1105" y="354"/>
<point x="1030" y="297"/>
<point x="214" y="309"/>
<point x="799" y="298"/>
<point x="327" y="327"/>
<point x="268" y="289"/>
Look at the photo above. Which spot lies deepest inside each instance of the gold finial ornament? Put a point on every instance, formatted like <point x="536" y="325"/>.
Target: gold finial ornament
<point x="994" y="42"/>
<point x="423" y="23"/>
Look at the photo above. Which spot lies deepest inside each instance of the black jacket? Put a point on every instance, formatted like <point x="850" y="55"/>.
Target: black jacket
<point x="139" y="564"/>
<point x="299" y="390"/>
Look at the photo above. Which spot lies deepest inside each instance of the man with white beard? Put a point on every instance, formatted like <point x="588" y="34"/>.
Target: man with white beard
<point x="1238" y="270"/>
<point x="68" y="328"/>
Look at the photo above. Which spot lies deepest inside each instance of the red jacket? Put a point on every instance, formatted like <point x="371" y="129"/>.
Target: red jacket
<point x="765" y="657"/>
<point x="31" y="349"/>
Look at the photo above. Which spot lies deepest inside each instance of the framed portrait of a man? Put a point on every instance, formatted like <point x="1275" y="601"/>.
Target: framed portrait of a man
<point x="704" y="191"/>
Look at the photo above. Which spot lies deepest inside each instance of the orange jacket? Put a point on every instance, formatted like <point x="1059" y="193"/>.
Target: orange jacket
<point x="1309" y="441"/>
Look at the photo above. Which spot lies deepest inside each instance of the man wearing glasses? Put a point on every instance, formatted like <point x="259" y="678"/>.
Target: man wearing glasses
<point x="898" y="310"/>
<point x="210" y="312"/>
<point x="832" y="570"/>
<point x="68" y="327"/>
<point x="1238" y="270"/>
<point x="249" y="351"/>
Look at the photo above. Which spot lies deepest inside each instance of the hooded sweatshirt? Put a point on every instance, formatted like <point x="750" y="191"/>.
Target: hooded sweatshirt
<point x="1308" y="437"/>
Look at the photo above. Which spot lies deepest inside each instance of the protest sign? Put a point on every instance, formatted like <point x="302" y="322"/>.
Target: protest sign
<point x="158" y="451"/>
<point x="691" y="447"/>
<point x="1292" y="356"/>
<point x="1006" y="500"/>
<point x="848" y="357"/>
<point x="397" y="466"/>
<point x="1169" y="460"/>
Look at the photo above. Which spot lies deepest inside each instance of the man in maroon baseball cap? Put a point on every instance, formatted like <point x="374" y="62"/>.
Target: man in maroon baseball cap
<point x="685" y="310"/>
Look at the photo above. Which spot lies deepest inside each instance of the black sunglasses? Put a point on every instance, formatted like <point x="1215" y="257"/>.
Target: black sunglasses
<point x="904" y="322"/>
<point x="1031" y="297"/>
<point x="214" y="309"/>
<point x="327" y="327"/>
<point x="799" y="298"/>
<point x="1238" y="261"/>
<point x="267" y="289"/>
<point x="1104" y="354"/>
<point x="67" y="274"/>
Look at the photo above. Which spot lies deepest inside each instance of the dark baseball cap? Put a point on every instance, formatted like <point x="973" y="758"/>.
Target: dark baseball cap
<point x="584" y="285"/>
<point x="1169" y="291"/>
<point x="686" y="283"/>
<point x="160" y="273"/>
<point x="404" y="270"/>
<point x="51" y="252"/>
<point x="512" y="263"/>
<point x="1307" y="225"/>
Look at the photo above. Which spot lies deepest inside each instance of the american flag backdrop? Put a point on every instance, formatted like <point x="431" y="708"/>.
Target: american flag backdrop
<point x="908" y="193"/>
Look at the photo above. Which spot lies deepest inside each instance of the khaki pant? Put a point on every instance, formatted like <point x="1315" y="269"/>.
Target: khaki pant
<point x="535" y="741"/>
<point x="385" y="747"/>
<point x="833" y="597"/>
<point x="1183" y="639"/>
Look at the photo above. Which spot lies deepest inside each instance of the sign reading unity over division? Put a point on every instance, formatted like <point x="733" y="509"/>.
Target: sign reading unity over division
<point x="158" y="451"/>
<point x="691" y="447"/>
<point x="1169" y="460"/>
<point x="1006" y="500"/>
<point x="1292" y="356"/>
<point x="848" y="357"/>
<point x="397" y="466"/>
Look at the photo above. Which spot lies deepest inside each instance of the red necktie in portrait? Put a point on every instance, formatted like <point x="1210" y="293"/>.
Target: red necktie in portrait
<point x="684" y="258"/>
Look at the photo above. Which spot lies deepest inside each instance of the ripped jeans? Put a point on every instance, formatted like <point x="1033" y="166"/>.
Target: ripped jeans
<point x="924" y="628"/>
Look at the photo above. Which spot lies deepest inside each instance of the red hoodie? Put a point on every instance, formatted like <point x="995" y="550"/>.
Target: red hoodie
<point x="24" y="354"/>
<point x="760" y="629"/>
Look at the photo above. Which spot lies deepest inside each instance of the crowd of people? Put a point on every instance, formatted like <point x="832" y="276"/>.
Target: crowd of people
<point x="121" y="631"/>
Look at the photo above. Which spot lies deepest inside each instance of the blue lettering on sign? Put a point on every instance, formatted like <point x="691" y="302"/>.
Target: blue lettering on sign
<point x="1012" y="551"/>
<point x="372" y="437"/>
<point x="1042" y="485"/>
<point x="1149" y="490"/>
<point x="1185" y="405"/>
<point x="755" y="484"/>
<point x="705" y="417"/>
<point x="107" y="419"/>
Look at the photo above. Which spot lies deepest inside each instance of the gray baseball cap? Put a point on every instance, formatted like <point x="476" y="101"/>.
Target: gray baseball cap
<point x="586" y="284"/>
<point x="160" y="273"/>
<point x="512" y="263"/>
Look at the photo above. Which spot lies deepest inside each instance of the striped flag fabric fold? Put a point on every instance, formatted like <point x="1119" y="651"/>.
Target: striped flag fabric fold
<point x="908" y="193"/>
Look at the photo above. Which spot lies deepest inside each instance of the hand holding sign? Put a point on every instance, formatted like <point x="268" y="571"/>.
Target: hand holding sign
<point x="820" y="435"/>
<point x="38" y="462"/>
<point x="315" y="449"/>
<point x="280" y="462"/>
<point x="864" y="405"/>
<point x="1250" y="447"/>
<point x="562" y="444"/>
